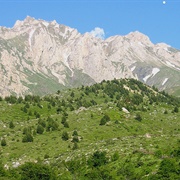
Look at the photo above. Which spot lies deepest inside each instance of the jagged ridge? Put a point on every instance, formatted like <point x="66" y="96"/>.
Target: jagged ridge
<point x="41" y="57"/>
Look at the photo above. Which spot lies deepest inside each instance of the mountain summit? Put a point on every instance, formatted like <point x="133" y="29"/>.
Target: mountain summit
<point x="41" y="57"/>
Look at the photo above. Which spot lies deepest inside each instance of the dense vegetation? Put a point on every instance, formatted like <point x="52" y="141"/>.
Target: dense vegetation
<point x="120" y="129"/>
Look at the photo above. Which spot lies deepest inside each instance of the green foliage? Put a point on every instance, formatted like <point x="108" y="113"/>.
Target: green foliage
<point x="42" y="123"/>
<point x="97" y="159"/>
<point x="37" y="171"/>
<point x="128" y="149"/>
<point x="37" y="115"/>
<point x="11" y="99"/>
<point x="40" y="129"/>
<point x="165" y="112"/>
<point x="115" y="156"/>
<point x="168" y="169"/>
<point x="2" y="170"/>
<point x="158" y="153"/>
<point x="3" y="142"/>
<point x="63" y="120"/>
<point x="11" y="125"/>
<point x="99" y="174"/>
<point x="176" y="110"/>
<point x="104" y="119"/>
<point x="138" y="117"/>
<point x="65" y="136"/>
<point x="75" y="139"/>
<point x="75" y="146"/>
<point x="27" y="130"/>
<point x="75" y="133"/>
<point x="52" y="125"/>
<point x="27" y="138"/>
<point x="66" y="125"/>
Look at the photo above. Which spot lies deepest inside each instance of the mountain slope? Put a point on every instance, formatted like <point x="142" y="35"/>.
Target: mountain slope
<point x="134" y="125"/>
<point x="41" y="57"/>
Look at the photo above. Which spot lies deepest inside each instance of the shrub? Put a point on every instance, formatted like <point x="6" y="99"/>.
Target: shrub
<point x="27" y="138"/>
<point x="3" y="142"/>
<point x="40" y="129"/>
<point x="138" y="117"/>
<point x="11" y="125"/>
<point x="104" y="120"/>
<point x="75" y="133"/>
<point x="115" y="156"/>
<point x="75" y="146"/>
<point x="97" y="159"/>
<point x="176" y="110"/>
<point x="65" y="136"/>
<point x="75" y="139"/>
<point x="66" y="125"/>
<point x="36" y="171"/>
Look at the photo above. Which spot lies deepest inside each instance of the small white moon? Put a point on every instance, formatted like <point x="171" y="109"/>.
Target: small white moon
<point x="164" y="2"/>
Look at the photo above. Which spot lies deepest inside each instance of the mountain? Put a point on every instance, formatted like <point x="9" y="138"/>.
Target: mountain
<point x="41" y="57"/>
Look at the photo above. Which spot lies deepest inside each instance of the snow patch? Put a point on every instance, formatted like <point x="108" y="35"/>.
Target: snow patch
<point x="45" y="24"/>
<point x="65" y="57"/>
<point x="58" y="76"/>
<point x="169" y="64"/>
<point x="140" y="43"/>
<point x="165" y="80"/>
<point x="146" y="78"/>
<point x="56" y="26"/>
<point x="172" y="65"/>
<point x="30" y="38"/>
<point x="133" y="68"/>
<point x="153" y="73"/>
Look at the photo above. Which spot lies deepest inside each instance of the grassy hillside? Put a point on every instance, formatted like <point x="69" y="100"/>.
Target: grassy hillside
<point x="120" y="129"/>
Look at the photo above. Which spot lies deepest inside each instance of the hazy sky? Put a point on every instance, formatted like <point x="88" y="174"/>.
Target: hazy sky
<point x="158" y="19"/>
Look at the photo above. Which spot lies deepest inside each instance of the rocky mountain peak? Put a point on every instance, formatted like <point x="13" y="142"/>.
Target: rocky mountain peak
<point x="37" y="56"/>
<point x="27" y="21"/>
<point x="139" y="37"/>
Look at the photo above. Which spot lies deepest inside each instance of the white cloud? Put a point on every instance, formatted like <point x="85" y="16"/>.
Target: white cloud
<point x="98" y="33"/>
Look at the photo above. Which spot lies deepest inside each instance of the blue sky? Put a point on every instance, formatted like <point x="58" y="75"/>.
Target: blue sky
<point x="160" y="21"/>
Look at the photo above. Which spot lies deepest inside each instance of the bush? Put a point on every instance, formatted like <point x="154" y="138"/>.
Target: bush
<point x="115" y="156"/>
<point x="75" y="139"/>
<point x="40" y="129"/>
<point x="98" y="159"/>
<point x="11" y="125"/>
<point x="37" y="171"/>
<point x="138" y="117"/>
<point x="75" y="146"/>
<point x="75" y="133"/>
<point x="3" y="142"/>
<point x="176" y="110"/>
<point x="104" y="120"/>
<point x="52" y="124"/>
<point x="27" y="138"/>
<point x="65" y="136"/>
<point x="63" y="120"/>
<point x="42" y="123"/>
<point x="66" y="125"/>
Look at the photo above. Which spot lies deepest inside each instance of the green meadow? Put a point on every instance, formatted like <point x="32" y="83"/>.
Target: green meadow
<point x="120" y="129"/>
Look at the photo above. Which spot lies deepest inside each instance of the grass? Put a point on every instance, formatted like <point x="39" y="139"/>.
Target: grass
<point x="122" y="134"/>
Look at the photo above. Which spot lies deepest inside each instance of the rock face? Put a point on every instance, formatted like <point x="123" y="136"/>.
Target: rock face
<point x="41" y="57"/>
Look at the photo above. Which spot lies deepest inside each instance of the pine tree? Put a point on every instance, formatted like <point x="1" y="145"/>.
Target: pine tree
<point x="65" y="136"/>
<point x="3" y="142"/>
<point x="11" y="125"/>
